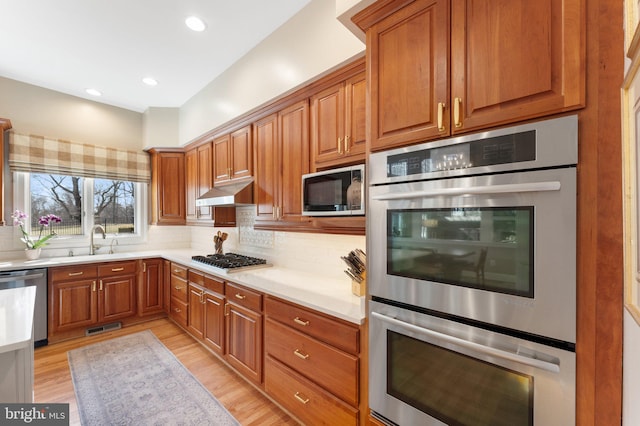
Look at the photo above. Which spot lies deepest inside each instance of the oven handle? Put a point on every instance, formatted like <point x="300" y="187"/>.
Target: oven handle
<point x="488" y="189"/>
<point x="511" y="356"/>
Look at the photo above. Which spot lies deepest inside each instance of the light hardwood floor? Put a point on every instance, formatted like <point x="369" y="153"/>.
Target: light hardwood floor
<point x="53" y="384"/>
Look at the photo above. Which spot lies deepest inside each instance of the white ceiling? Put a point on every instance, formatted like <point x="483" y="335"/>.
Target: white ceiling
<point x="110" y="45"/>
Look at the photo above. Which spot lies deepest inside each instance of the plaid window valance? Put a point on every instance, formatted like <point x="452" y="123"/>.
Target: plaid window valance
<point x="37" y="154"/>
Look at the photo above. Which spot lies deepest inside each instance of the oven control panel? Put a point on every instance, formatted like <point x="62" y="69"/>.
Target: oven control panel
<point x="504" y="149"/>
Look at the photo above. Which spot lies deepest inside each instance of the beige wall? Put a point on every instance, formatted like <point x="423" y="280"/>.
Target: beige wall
<point x="39" y="111"/>
<point x="307" y="45"/>
<point x="160" y="127"/>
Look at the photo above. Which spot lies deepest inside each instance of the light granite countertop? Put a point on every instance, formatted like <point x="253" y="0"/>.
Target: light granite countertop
<point x="328" y="295"/>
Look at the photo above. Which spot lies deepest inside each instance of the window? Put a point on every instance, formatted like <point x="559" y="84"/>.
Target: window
<point x="81" y="203"/>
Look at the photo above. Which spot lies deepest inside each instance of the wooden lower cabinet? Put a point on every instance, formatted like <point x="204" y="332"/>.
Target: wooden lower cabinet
<point x="244" y="331"/>
<point x="151" y="287"/>
<point x="84" y="296"/>
<point x="179" y="302"/>
<point x="303" y="398"/>
<point x="312" y="363"/>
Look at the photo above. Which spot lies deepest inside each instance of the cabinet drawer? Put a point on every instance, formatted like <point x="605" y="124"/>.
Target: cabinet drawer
<point x="339" y="334"/>
<point x="308" y="402"/>
<point x="213" y="284"/>
<point x="116" y="269"/>
<point x="79" y="272"/>
<point x="196" y="277"/>
<point x="179" y="288"/>
<point x="178" y="270"/>
<point x="244" y="297"/>
<point x="179" y="311"/>
<point x="332" y="369"/>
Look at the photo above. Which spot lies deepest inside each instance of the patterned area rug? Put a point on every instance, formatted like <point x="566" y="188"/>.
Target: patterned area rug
<point x="136" y="380"/>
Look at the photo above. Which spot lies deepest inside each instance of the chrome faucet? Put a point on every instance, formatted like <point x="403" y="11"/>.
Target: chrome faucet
<point x="99" y="228"/>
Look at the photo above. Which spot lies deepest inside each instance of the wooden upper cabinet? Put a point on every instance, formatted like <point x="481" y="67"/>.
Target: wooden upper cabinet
<point x="294" y="160"/>
<point x="338" y="123"/>
<point x="265" y="135"/>
<point x="199" y="170"/>
<point x="233" y="155"/>
<point x="407" y="57"/>
<point x="168" y="187"/>
<point x="509" y="61"/>
<point x="515" y="60"/>
<point x="281" y="145"/>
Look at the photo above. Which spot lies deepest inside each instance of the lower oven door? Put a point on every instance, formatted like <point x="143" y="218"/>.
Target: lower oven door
<point x="431" y="371"/>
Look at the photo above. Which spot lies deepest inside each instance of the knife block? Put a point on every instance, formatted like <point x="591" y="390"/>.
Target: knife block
<point x="359" y="288"/>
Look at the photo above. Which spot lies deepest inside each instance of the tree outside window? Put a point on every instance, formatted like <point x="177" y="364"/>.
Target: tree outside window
<point x="113" y="202"/>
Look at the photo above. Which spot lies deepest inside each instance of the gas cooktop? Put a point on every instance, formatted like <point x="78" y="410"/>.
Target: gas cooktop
<point x="231" y="262"/>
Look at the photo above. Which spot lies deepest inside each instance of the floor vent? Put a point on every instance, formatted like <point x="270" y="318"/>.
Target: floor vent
<point x="103" y="328"/>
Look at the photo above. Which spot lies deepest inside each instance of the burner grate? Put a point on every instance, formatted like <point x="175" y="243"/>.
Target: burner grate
<point x="230" y="261"/>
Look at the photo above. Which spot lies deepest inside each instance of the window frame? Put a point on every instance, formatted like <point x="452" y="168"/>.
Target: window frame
<point x="22" y="201"/>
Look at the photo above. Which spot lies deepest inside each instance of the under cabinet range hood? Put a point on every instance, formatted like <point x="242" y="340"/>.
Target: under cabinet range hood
<point x="235" y="193"/>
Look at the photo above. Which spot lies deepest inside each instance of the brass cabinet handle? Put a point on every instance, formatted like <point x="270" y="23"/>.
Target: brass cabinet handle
<point x="176" y="270"/>
<point x="75" y="274"/>
<point x="177" y="287"/>
<point x="177" y="310"/>
<point x="301" y="322"/>
<point x="93" y="286"/>
<point x="144" y="267"/>
<point x="273" y="212"/>
<point x="226" y="309"/>
<point x="300" y="354"/>
<point x="117" y="269"/>
<point x="441" y="116"/>
<point x="456" y="112"/>
<point x="301" y="398"/>
<point x="340" y="146"/>
<point x="101" y="285"/>
<point x="240" y="296"/>
<point x="347" y="146"/>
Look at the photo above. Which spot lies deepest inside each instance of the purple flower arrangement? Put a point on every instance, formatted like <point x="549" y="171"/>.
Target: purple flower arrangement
<point x="19" y="219"/>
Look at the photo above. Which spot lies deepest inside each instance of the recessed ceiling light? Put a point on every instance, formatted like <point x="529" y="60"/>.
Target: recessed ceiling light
<point x="150" y="81"/>
<point x="195" y="23"/>
<point x="93" y="92"/>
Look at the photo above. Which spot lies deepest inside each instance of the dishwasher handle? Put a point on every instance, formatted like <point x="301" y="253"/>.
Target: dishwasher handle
<point x="28" y="277"/>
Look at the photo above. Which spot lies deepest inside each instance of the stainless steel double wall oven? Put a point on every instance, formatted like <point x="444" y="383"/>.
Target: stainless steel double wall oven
<point x="472" y="278"/>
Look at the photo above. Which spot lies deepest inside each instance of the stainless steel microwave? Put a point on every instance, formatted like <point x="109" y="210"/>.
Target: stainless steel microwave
<point x="335" y="192"/>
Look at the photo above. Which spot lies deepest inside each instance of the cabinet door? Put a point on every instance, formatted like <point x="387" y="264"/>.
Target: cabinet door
<point x="195" y="323"/>
<point x="244" y="341"/>
<point x="205" y="181"/>
<point x="73" y="304"/>
<point x="151" y="287"/>
<point x="294" y="160"/>
<point x="214" y="322"/>
<point x="328" y="124"/>
<point x="267" y="178"/>
<point x="191" y="174"/>
<point x="407" y="61"/>
<point x="116" y="298"/>
<point x="241" y="157"/>
<point x="356" y="116"/>
<point x="515" y="60"/>
<point x="221" y="154"/>
<point x="169" y="188"/>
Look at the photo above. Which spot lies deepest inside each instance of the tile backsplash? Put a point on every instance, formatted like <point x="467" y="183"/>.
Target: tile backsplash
<point x="309" y="252"/>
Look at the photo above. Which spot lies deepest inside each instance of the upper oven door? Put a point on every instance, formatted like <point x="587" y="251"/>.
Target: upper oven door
<point x="500" y="249"/>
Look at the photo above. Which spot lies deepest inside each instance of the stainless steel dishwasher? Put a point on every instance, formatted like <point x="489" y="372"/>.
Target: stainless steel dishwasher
<point x="38" y="278"/>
